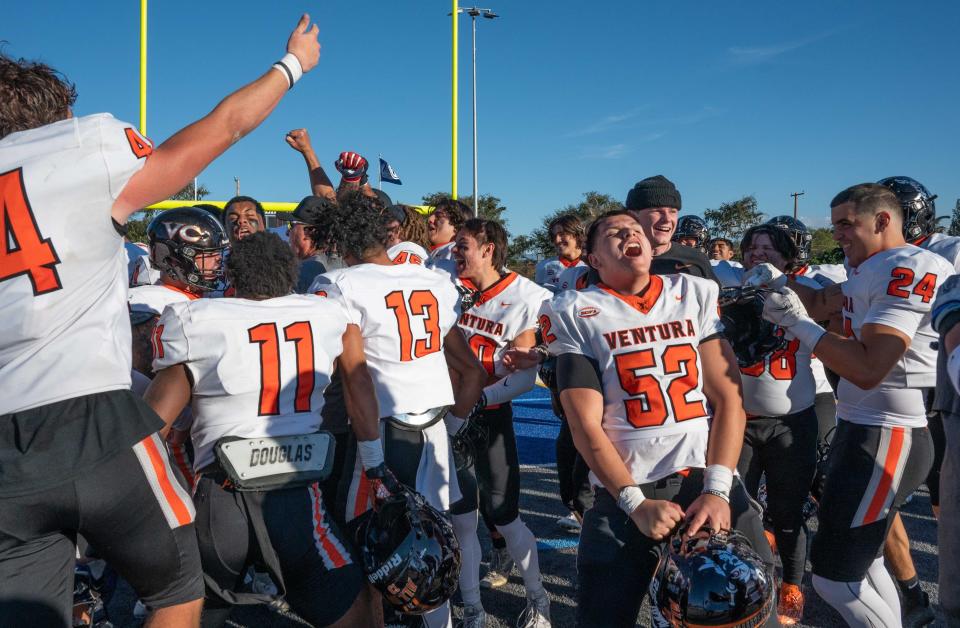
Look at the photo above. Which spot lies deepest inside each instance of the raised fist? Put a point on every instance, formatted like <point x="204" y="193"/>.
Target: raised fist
<point x="303" y="44"/>
<point x="299" y="140"/>
<point x="352" y="166"/>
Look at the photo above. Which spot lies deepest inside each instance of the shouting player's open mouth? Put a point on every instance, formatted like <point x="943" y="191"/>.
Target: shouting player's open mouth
<point x="633" y="249"/>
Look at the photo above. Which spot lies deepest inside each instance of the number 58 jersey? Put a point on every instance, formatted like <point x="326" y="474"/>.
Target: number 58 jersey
<point x="645" y="350"/>
<point x="259" y="368"/>
<point x="894" y="288"/>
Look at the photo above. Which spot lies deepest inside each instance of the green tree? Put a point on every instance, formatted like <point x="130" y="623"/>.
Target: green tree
<point x="186" y="194"/>
<point x="730" y="220"/>
<point x="954" y="228"/>
<point x="823" y="241"/>
<point x="489" y="206"/>
<point x="137" y="230"/>
<point x="592" y="205"/>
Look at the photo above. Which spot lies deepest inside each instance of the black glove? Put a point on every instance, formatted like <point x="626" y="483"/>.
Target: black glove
<point x="385" y="484"/>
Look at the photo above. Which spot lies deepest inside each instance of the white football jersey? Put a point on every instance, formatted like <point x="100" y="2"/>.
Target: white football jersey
<point x="500" y="314"/>
<point x="573" y="278"/>
<point x="440" y="259"/>
<point x="404" y="312"/>
<point x="729" y="274"/>
<point x="785" y="382"/>
<point x="823" y="274"/>
<point x="259" y="367"/>
<point x="144" y="273"/>
<point x="548" y="271"/>
<point x="64" y="328"/>
<point x="135" y="250"/>
<point x="156" y="298"/>
<point x="947" y="247"/>
<point x="894" y="288"/>
<point x="655" y="411"/>
<point x="407" y="253"/>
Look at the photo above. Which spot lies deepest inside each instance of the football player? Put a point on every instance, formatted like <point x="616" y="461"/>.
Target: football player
<point x="779" y="395"/>
<point x="652" y="393"/>
<point x="407" y="316"/>
<point x="504" y="314"/>
<point x="692" y="231"/>
<point x="443" y="224"/>
<point x="79" y="450"/>
<point x="255" y="368"/>
<point x="407" y="230"/>
<point x="566" y="232"/>
<point x="721" y="249"/>
<point x="882" y="450"/>
<point x="243" y="216"/>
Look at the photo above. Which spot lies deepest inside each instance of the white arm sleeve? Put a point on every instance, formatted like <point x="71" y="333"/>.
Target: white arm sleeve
<point x="513" y="385"/>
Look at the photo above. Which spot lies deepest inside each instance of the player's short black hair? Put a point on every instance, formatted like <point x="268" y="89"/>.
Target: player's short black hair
<point x="492" y="232"/>
<point x="780" y="239"/>
<point x="262" y="266"/>
<point x="595" y="225"/>
<point x="869" y="198"/>
<point x="33" y="94"/>
<point x="570" y="224"/>
<point x="243" y="199"/>
<point x="355" y="225"/>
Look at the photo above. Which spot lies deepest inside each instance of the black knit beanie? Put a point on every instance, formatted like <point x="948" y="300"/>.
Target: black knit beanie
<point x="657" y="191"/>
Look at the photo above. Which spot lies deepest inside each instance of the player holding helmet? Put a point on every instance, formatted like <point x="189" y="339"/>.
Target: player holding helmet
<point x="640" y="360"/>
<point x="66" y="345"/>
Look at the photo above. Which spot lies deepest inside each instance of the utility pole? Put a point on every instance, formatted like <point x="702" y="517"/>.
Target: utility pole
<point x="795" y="195"/>
<point x="236" y="185"/>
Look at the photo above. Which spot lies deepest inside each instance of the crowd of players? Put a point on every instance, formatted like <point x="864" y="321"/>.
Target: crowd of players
<point x="322" y="423"/>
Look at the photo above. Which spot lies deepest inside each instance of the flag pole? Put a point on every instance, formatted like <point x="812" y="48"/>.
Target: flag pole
<point x="143" y="67"/>
<point x="379" y="171"/>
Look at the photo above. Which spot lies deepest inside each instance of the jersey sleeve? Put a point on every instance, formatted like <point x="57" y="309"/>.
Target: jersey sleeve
<point x="558" y="329"/>
<point x="540" y="272"/>
<point x="535" y="298"/>
<point x="170" y="343"/>
<point x="900" y="301"/>
<point x="124" y="151"/>
<point x="709" y="320"/>
<point x="345" y="295"/>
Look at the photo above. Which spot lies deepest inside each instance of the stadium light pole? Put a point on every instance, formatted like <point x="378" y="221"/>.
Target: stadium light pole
<point x="474" y="13"/>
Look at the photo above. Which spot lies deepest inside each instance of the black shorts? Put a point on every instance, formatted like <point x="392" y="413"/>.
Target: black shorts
<point x="872" y="471"/>
<point x="133" y="507"/>
<point x="492" y="484"/>
<point x="616" y="562"/>
<point x="316" y="565"/>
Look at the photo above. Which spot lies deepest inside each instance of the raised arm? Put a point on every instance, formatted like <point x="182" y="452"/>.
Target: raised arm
<point x="182" y="157"/>
<point x="320" y="184"/>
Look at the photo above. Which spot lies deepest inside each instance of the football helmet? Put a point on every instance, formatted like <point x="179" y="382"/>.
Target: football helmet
<point x="919" y="210"/>
<point x="181" y="237"/>
<point x="751" y="336"/>
<point x="410" y="553"/>
<point x="692" y="227"/>
<point x="712" y="579"/>
<point x="799" y="232"/>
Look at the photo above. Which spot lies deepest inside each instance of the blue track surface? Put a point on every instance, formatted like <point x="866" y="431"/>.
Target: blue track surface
<point x="536" y="427"/>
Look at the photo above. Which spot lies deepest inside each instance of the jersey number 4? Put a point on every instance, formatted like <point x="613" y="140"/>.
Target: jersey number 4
<point x="420" y="303"/>
<point x="301" y="335"/>
<point x="648" y="405"/>
<point x="23" y="250"/>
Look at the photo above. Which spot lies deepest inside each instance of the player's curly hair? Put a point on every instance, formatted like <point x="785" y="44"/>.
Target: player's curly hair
<point x="355" y="225"/>
<point x="33" y="94"/>
<point x="262" y="266"/>
<point x="414" y="228"/>
<point x="457" y="212"/>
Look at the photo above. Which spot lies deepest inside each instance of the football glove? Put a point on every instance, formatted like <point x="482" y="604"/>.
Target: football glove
<point x="384" y="482"/>
<point x="352" y="166"/>
<point x="764" y="276"/>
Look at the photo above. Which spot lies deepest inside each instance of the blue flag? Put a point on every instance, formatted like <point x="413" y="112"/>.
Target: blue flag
<point x="388" y="174"/>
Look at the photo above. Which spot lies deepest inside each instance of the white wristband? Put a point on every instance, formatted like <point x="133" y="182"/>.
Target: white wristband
<point x="953" y="368"/>
<point x="630" y="498"/>
<point x="718" y="478"/>
<point x="370" y="452"/>
<point x="807" y="332"/>
<point x="290" y="67"/>
<point x="453" y="423"/>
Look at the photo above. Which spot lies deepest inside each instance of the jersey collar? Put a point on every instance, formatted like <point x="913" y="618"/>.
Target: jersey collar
<point x="642" y="302"/>
<point x="569" y="264"/>
<point x="187" y="293"/>
<point x="495" y="288"/>
<point x="434" y="247"/>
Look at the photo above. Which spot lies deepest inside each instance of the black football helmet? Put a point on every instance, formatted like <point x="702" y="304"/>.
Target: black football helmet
<point x="751" y="336"/>
<point x="799" y="232"/>
<point x="692" y="227"/>
<point x="178" y="237"/>
<point x="410" y="553"/>
<point x="712" y="579"/>
<point x="919" y="210"/>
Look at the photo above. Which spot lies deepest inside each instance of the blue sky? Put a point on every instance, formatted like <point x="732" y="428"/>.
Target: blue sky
<point x="725" y="99"/>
